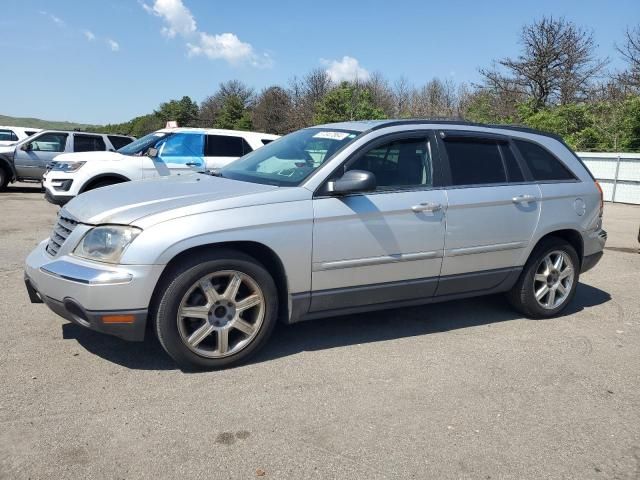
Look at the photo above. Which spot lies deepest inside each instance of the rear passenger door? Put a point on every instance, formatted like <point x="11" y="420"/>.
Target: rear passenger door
<point x="223" y="149"/>
<point x="492" y="212"/>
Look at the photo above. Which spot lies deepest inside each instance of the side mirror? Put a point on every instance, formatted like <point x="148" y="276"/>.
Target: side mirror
<point x="352" y="182"/>
<point x="152" y="152"/>
<point x="27" y="147"/>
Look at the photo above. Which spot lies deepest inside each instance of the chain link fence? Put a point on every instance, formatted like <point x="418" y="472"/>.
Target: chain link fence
<point x="617" y="173"/>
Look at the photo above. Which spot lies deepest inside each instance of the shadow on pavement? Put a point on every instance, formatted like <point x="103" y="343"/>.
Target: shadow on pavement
<point x="338" y="331"/>
<point x="22" y="189"/>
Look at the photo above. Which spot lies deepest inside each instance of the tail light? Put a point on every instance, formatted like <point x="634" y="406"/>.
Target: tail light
<point x="601" y="198"/>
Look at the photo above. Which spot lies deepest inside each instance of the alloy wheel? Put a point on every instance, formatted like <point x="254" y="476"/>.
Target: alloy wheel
<point x="553" y="280"/>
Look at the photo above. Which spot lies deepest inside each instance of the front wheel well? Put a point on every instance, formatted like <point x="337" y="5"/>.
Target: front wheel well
<point x="111" y="177"/>
<point x="573" y="237"/>
<point x="263" y="254"/>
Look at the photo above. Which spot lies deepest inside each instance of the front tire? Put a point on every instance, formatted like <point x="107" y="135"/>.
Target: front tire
<point x="548" y="281"/>
<point x="4" y="179"/>
<point x="215" y="310"/>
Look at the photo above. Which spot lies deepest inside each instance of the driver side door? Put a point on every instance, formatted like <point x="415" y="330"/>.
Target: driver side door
<point x="31" y="158"/>
<point x="180" y="153"/>
<point x="385" y="245"/>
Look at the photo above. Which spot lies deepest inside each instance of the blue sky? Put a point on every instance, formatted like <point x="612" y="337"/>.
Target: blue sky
<point x="108" y="61"/>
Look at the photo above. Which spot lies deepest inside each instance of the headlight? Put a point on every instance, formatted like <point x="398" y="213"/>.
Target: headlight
<point x="107" y="243"/>
<point x="67" y="166"/>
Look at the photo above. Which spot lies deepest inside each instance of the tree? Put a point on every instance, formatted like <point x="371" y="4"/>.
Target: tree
<point x="557" y="64"/>
<point x="233" y="114"/>
<point x="184" y="111"/>
<point x="381" y="93"/>
<point x="347" y="101"/>
<point x="630" y="51"/>
<point x="436" y="98"/>
<point x="401" y="97"/>
<point x="272" y="110"/>
<point x="305" y="94"/>
<point x="211" y="106"/>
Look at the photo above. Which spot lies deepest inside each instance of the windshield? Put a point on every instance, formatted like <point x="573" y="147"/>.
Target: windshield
<point x="141" y="145"/>
<point x="286" y="162"/>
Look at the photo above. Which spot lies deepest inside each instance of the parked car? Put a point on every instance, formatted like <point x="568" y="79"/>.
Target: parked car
<point x="26" y="161"/>
<point x="329" y="220"/>
<point x="11" y="135"/>
<point x="165" y="152"/>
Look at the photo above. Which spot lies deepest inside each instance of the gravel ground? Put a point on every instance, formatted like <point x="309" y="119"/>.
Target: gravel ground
<point x="466" y="389"/>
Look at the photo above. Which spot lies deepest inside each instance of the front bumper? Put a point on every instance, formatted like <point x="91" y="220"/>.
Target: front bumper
<point x="60" y="200"/>
<point x="111" y="299"/>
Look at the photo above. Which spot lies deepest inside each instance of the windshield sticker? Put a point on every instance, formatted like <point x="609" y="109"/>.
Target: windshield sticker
<point x="332" y="135"/>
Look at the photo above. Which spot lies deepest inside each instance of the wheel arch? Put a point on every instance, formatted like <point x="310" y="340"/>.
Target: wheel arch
<point x="103" y="176"/>
<point x="571" y="236"/>
<point x="259" y="251"/>
<point x="7" y="165"/>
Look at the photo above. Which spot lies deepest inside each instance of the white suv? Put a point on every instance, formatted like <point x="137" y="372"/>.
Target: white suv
<point x="168" y="151"/>
<point x="11" y="135"/>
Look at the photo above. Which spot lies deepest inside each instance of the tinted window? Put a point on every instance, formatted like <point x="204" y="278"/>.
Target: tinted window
<point x="182" y="145"/>
<point x="30" y="132"/>
<point x="49" y="142"/>
<point x="8" y="136"/>
<point x="226" y="146"/>
<point x="266" y="141"/>
<point x="119" y="142"/>
<point x="543" y="165"/>
<point x="88" y="143"/>
<point x="400" y="163"/>
<point x="474" y="162"/>
<point x="514" y="173"/>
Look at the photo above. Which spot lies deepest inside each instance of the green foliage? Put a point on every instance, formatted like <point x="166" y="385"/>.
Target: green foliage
<point x="184" y="111"/>
<point x="233" y="115"/>
<point x="347" y="101"/>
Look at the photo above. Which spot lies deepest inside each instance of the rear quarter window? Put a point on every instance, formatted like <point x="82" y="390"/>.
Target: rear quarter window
<point x="544" y="166"/>
<point x="8" y="135"/>
<point x="118" y="142"/>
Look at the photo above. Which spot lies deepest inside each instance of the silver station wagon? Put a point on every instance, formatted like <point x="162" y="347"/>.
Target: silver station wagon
<point x="329" y="220"/>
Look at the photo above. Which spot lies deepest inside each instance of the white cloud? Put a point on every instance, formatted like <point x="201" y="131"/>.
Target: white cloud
<point x="113" y="45"/>
<point x="57" y="20"/>
<point x="178" y="17"/>
<point x="89" y="35"/>
<point x="348" y="69"/>
<point x="224" y="46"/>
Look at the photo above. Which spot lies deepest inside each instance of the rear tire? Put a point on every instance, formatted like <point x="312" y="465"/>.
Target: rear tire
<point x="548" y="281"/>
<point x="4" y="179"/>
<point x="215" y="310"/>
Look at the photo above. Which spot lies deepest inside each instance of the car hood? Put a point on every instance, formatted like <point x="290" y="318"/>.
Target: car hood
<point x="88" y="156"/>
<point x="163" y="198"/>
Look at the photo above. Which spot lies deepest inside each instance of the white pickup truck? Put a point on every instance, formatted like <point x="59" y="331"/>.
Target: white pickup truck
<point x="168" y="151"/>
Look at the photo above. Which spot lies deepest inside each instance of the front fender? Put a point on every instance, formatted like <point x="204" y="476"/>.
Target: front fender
<point x="286" y="228"/>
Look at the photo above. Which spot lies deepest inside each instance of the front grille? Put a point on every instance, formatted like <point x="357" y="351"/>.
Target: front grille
<point x="61" y="231"/>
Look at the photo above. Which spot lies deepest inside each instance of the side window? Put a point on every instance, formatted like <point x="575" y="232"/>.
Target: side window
<point x="88" y="143"/>
<point x="30" y="132"/>
<point x="400" y="163"/>
<point x="266" y="141"/>
<point x="224" y="146"/>
<point x="514" y="173"/>
<point x="182" y="145"/>
<point x="474" y="162"/>
<point x="119" y="142"/>
<point x="543" y="165"/>
<point x="8" y="136"/>
<point x="49" y="142"/>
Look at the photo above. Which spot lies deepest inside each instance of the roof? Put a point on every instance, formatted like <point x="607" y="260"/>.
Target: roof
<point x="370" y="125"/>
<point x="219" y="131"/>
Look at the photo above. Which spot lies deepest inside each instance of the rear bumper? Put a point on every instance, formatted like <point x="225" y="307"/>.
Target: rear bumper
<point x="590" y="261"/>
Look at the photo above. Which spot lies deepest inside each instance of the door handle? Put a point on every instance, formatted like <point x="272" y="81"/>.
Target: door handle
<point x="523" y="199"/>
<point x="193" y="164"/>
<point x="426" y="207"/>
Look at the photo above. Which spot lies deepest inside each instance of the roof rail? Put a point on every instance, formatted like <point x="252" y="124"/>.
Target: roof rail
<point x="449" y="121"/>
